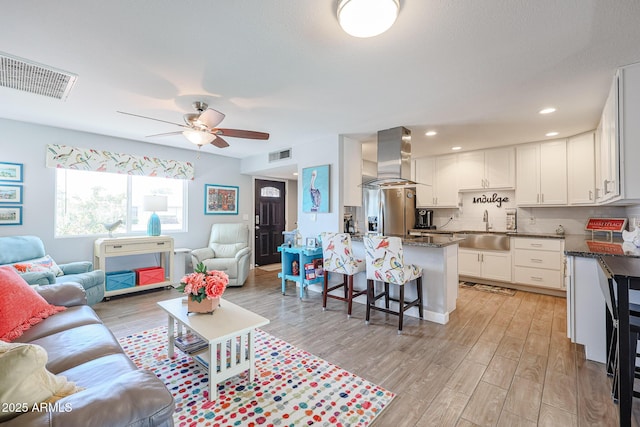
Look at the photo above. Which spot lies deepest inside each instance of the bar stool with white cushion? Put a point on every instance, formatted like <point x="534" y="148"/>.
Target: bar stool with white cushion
<point x="338" y="258"/>
<point x="385" y="263"/>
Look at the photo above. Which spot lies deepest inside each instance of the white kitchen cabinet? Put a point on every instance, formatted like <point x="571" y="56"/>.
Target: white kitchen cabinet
<point x="487" y="169"/>
<point x="586" y="310"/>
<point x="492" y="265"/>
<point x="446" y="185"/>
<point x="618" y="151"/>
<point x="581" y="172"/>
<point x="471" y="168"/>
<point x="351" y="172"/>
<point x="541" y="174"/>
<point x="607" y="153"/>
<point x="538" y="262"/>
<point x="442" y="174"/>
<point x="424" y="171"/>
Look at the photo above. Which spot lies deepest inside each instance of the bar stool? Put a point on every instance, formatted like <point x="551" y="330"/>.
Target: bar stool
<point x="338" y="258"/>
<point x="385" y="263"/>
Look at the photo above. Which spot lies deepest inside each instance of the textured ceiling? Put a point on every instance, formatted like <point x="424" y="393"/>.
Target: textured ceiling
<point x="476" y="71"/>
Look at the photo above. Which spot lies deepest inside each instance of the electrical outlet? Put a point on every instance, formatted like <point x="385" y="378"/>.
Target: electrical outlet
<point x="532" y="220"/>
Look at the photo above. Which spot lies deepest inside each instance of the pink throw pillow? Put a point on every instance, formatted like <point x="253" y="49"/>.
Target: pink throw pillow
<point x="20" y="305"/>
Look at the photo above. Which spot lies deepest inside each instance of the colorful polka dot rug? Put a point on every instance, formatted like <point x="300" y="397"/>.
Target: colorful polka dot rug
<point x="292" y="387"/>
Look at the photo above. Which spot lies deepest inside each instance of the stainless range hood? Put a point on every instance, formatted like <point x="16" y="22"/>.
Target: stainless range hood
<point x="394" y="159"/>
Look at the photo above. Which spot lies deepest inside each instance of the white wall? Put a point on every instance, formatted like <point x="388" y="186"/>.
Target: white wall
<point x="292" y="205"/>
<point x="321" y="152"/>
<point x="26" y="143"/>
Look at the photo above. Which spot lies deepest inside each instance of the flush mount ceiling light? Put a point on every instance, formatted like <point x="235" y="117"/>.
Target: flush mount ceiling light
<point x="198" y="137"/>
<point x="547" y="110"/>
<point x="431" y="133"/>
<point x="367" y="18"/>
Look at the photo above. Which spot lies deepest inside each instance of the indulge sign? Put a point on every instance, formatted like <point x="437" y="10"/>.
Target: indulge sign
<point x="494" y="198"/>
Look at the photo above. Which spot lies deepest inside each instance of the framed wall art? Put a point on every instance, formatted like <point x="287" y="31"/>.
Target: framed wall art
<point x="220" y="199"/>
<point x="315" y="189"/>
<point x="10" y="193"/>
<point x="11" y="215"/>
<point x="11" y="172"/>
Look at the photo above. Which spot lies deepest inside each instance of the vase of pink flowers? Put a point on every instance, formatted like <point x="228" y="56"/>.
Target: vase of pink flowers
<point x="204" y="289"/>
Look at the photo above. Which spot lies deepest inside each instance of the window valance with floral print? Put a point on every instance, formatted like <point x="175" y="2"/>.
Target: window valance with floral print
<point x="62" y="156"/>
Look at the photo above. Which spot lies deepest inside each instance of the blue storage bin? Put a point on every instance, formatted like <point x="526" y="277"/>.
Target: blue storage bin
<point x="120" y="280"/>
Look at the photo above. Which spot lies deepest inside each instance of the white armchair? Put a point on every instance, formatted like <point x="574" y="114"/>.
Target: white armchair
<point x="228" y="251"/>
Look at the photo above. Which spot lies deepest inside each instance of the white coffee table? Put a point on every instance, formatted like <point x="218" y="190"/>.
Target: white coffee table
<point x="229" y="332"/>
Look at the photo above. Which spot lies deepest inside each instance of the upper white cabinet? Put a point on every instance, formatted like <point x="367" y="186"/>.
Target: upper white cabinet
<point x="472" y="175"/>
<point x="446" y="185"/>
<point x="424" y="170"/>
<point x="487" y="169"/>
<point x="351" y="172"/>
<point x="581" y="174"/>
<point x="440" y="174"/>
<point x="541" y="173"/>
<point x="607" y="149"/>
<point x="628" y="127"/>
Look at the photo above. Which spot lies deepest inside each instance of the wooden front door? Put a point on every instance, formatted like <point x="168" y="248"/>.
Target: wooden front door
<point x="269" y="220"/>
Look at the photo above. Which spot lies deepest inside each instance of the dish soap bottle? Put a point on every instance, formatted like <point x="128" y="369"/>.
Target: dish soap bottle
<point x="298" y="238"/>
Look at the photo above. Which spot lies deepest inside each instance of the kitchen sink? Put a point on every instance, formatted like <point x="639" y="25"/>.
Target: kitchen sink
<point x="488" y="241"/>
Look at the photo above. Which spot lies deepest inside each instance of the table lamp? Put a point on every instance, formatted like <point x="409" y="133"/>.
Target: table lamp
<point x="154" y="204"/>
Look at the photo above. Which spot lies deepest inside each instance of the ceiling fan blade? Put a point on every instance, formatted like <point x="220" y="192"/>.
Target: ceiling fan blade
<point x="151" y="118"/>
<point x="165" y="134"/>
<point x="210" y="117"/>
<point x="219" y="142"/>
<point x="237" y="133"/>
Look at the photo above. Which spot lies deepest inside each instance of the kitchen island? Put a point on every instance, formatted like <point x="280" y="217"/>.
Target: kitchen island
<point x="438" y="258"/>
<point x="586" y="310"/>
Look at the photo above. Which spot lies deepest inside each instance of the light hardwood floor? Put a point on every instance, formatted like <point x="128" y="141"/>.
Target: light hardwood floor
<point x="500" y="361"/>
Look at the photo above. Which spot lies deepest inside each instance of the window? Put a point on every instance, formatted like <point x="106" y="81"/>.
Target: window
<point x="88" y="201"/>
<point x="269" y="192"/>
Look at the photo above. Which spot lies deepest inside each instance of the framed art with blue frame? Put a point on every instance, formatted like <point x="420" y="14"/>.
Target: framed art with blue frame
<point x="220" y="199"/>
<point x="11" y="172"/>
<point x="11" y="215"/>
<point x="10" y="193"/>
<point x="315" y="189"/>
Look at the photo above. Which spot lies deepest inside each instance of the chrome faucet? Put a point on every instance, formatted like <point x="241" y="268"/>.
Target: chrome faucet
<point x="485" y="219"/>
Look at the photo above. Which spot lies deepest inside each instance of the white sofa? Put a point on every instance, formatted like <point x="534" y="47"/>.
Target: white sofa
<point x="228" y="251"/>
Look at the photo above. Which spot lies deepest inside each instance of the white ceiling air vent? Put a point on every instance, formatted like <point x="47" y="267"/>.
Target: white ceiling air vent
<point x="29" y="76"/>
<point x="280" y="155"/>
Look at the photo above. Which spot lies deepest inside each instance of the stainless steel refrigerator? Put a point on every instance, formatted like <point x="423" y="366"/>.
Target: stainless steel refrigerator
<point x="395" y="208"/>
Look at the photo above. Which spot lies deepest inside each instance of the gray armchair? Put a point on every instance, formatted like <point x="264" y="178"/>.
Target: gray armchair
<point x="16" y="250"/>
<point x="228" y="251"/>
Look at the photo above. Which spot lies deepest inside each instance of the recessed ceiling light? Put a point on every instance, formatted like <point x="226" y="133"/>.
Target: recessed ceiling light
<point x="431" y="133"/>
<point x="552" y="134"/>
<point x="295" y="174"/>
<point x="547" y="110"/>
<point x="456" y="148"/>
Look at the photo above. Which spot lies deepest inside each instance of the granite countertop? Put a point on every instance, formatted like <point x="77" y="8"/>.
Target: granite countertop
<point x="585" y="246"/>
<point x="426" y="241"/>
<point x="508" y="233"/>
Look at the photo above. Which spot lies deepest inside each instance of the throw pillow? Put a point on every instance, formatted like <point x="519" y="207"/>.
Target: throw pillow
<point x="20" y="305"/>
<point x="25" y="380"/>
<point x="46" y="263"/>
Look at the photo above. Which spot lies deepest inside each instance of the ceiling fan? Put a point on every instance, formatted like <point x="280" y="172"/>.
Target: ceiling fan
<point x="201" y="127"/>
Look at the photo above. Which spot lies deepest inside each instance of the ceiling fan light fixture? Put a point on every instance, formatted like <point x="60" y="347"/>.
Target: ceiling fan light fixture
<point x="198" y="137"/>
<point x="367" y="18"/>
